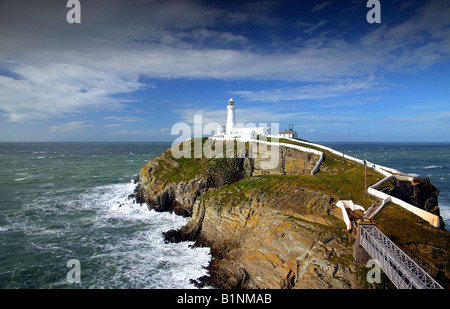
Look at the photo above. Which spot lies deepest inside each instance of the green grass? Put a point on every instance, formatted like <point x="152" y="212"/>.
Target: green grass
<point x="345" y="177"/>
<point x="394" y="218"/>
<point x="276" y="185"/>
<point x="194" y="163"/>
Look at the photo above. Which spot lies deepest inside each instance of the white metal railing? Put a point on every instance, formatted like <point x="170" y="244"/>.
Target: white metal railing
<point x="399" y="267"/>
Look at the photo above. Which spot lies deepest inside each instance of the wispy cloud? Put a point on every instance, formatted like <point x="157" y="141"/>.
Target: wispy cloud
<point x="131" y="132"/>
<point x="148" y="132"/>
<point x="321" y="6"/>
<point x="55" y="90"/>
<point x="430" y="117"/>
<point x="123" y="118"/>
<point x="314" y="91"/>
<point x="70" y="126"/>
<point x="244" y="115"/>
<point x="315" y="27"/>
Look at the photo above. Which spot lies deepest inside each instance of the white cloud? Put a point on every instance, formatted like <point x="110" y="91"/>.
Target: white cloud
<point x="208" y="116"/>
<point x="321" y="6"/>
<point x="149" y="132"/>
<point x="123" y="118"/>
<point x="55" y="90"/>
<point x="131" y="132"/>
<point x="70" y="126"/>
<point x="210" y="36"/>
<point x="431" y="117"/>
<point x="59" y="71"/>
<point x="244" y="115"/>
<point x="315" y="27"/>
<point x="416" y="43"/>
<point x="337" y="88"/>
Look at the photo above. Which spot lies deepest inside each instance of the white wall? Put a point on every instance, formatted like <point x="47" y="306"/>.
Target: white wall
<point x="381" y="169"/>
<point x="431" y="218"/>
<point x="386" y="171"/>
<point x="348" y="204"/>
<point x="304" y="149"/>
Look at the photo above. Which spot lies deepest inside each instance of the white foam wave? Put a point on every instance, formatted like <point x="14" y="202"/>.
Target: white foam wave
<point x="145" y="261"/>
<point x="112" y="202"/>
<point x="118" y="241"/>
<point x="433" y="167"/>
<point x="413" y="175"/>
<point x="445" y="212"/>
<point x="138" y="256"/>
<point x="23" y="176"/>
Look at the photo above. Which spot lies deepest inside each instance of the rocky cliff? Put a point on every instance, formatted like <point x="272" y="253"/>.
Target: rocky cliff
<point x="267" y="232"/>
<point x="267" y="228"/>
<point x="419" y="192"/>
<point x="169" y="184"/>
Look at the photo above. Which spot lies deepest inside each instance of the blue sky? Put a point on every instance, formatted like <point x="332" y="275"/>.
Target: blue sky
<point x="133" y="69"/>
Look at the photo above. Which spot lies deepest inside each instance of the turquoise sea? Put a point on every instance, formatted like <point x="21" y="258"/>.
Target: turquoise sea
<point x="64" y="201"/>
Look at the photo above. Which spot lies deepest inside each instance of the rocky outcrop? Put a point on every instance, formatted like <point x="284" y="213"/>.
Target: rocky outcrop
<point x="419" y="192"/>
<point x="164" y="182"/>
<point x="271" y="241"/>
<point x="267" y="228"/>
<point x="164" y="187"/>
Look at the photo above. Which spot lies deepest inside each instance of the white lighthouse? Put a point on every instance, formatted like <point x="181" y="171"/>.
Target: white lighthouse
<point x="243" y="132"/>
<point x="230" y="117"/>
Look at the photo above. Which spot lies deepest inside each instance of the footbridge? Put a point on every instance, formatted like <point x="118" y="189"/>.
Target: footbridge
<point x="399" y="267"/>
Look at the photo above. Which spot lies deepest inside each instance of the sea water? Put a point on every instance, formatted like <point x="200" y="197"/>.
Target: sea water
<point x="64" y="201"/>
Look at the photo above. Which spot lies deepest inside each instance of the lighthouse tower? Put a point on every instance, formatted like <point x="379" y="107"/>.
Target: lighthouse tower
<point x="230" y="116"/>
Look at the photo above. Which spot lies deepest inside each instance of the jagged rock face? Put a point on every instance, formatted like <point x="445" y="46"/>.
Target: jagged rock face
<point x="422" y="195"/>
<point x="161" y="194"/>
<point x="268" y="241"/>
<point x="288" y="162"/>
<point x="178" y="198"/>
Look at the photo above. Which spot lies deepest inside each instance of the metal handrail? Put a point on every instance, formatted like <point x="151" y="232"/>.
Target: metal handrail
<point x="398" y="266"/>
